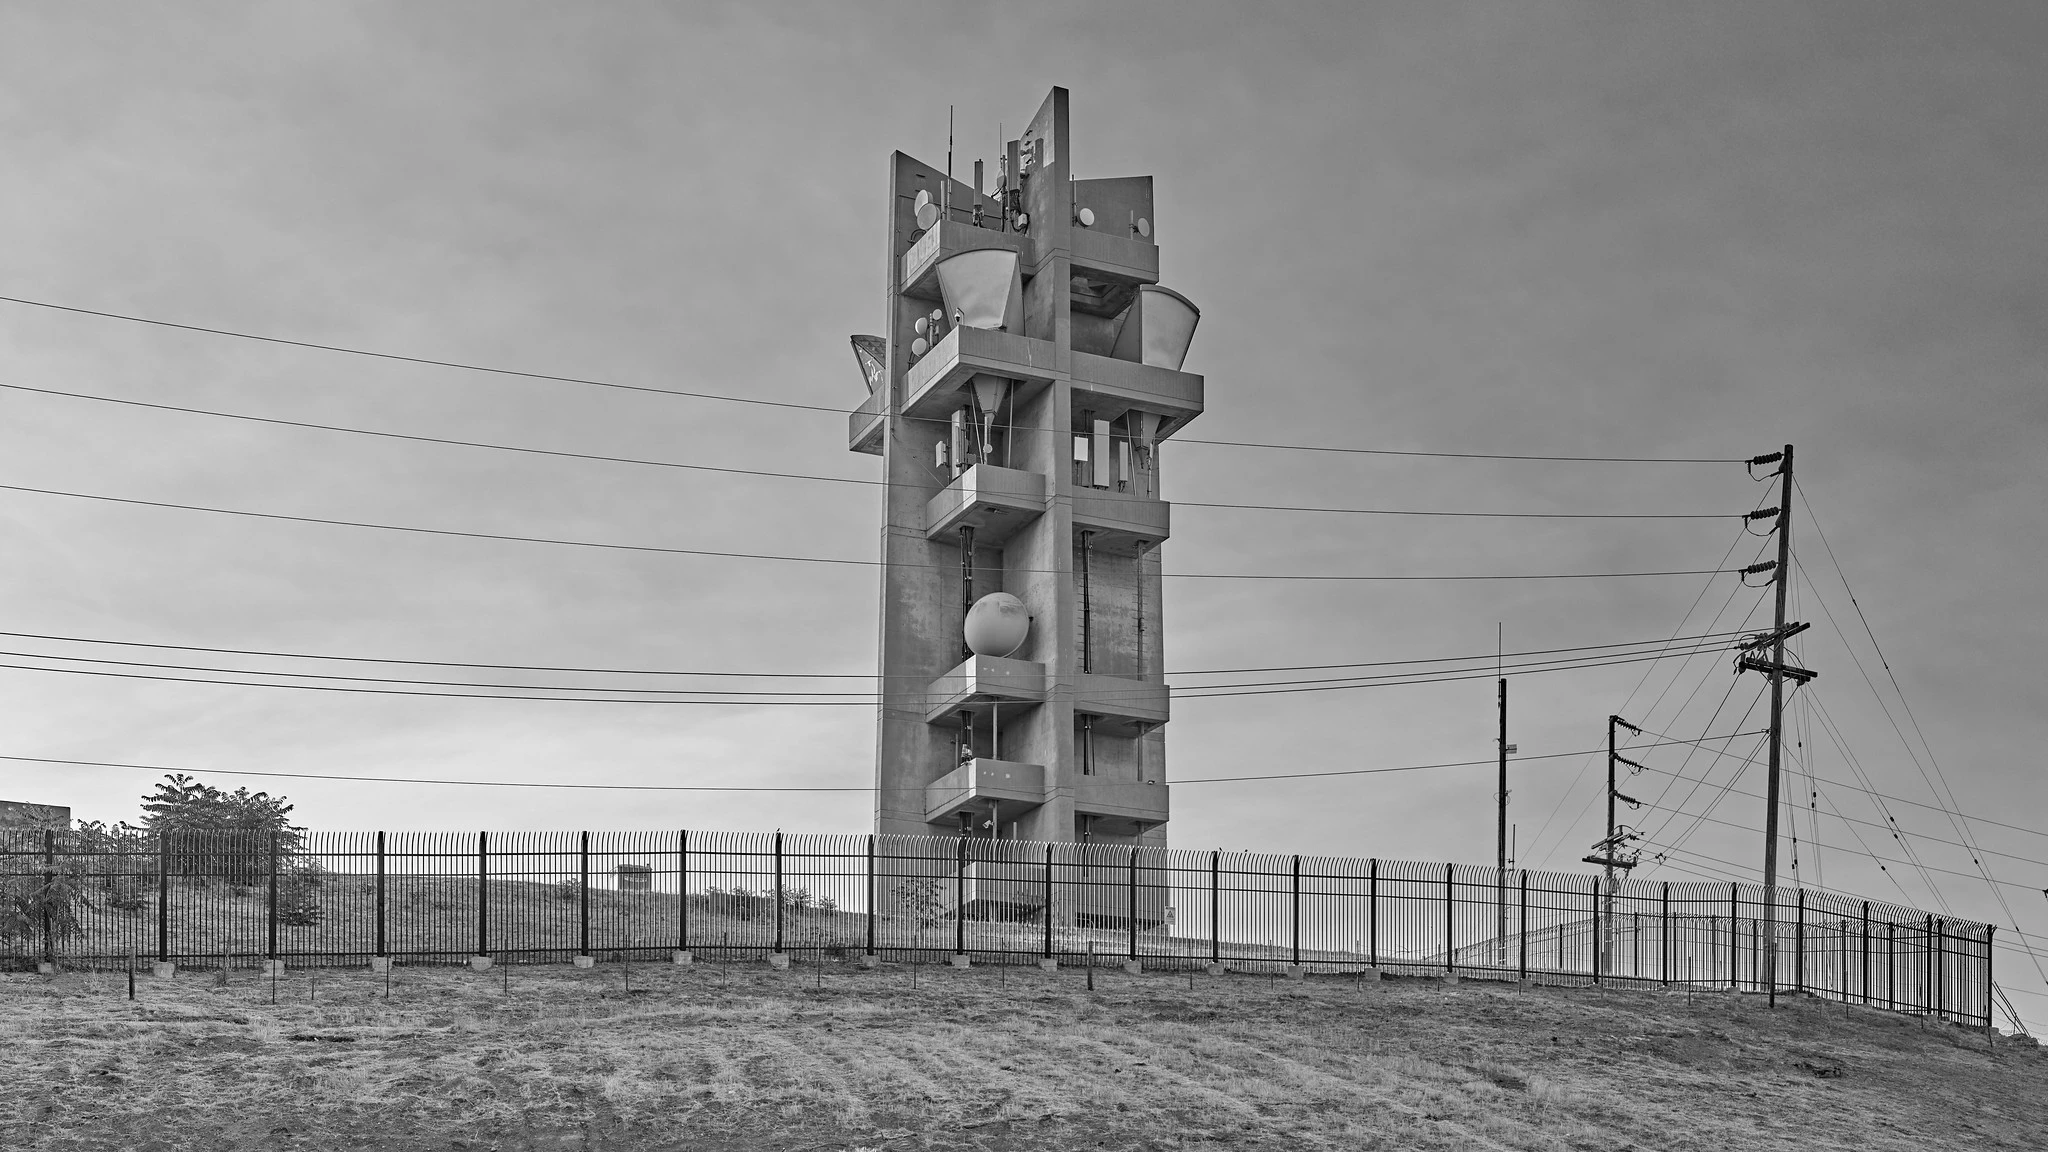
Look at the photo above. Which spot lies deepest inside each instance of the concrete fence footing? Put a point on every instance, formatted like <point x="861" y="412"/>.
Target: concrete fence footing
<point x="778" y="960"/>
<point x="960" y="960"/>
<point x="581" y="961"/>
<point x="1048" y="964"/>
<point x="163" y="969"/>
<point x="870" y="960"/>
<point x="480" y="963"/>
<point x="1296" y="971"/>
<point x="273" y="967"/>
<point x="379" y="965"/>
<point x="46" y="967"/>
<point x="1134" y="968"/>
<point x="1214" y="969"/>
<point x="681" y="958"/>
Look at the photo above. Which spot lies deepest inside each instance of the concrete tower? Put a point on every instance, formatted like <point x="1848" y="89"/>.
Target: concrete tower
<point x="1029" y="370"/>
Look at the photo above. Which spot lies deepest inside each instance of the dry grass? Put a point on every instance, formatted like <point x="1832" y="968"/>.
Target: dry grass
<point x="555" y="1058"/>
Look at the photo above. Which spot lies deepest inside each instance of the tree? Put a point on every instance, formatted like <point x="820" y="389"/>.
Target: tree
<point x="211" y="832"/>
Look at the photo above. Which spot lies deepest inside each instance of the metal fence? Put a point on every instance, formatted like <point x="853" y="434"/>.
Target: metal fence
<point x="341" y="898"/>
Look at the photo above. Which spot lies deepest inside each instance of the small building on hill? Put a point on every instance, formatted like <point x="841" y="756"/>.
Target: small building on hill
<point x="16" y="815"/>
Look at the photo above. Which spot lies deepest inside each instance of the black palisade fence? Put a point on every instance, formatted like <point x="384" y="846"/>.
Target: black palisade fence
<point x="333" y="898"/>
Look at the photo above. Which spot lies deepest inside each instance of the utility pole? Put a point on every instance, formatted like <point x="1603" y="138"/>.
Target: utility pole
<point x="1609" y="850"/>
<point x="1779" y="672"/>
<point x="1500" y="881"/>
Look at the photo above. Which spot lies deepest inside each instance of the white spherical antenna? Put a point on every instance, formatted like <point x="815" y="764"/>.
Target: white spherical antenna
<point x="1086" y="216"/>
<point x="997" y="625"/>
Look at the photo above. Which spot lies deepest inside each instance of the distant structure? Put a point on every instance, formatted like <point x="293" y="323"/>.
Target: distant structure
<point x="1030" y="368"/>
<point x="18" y="816"/>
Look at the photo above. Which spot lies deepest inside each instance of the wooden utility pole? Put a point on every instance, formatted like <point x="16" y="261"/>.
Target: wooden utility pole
<point x="1777" y="727"/>
<point x="1779" y="672"/>
<point x="1500" y="876"/>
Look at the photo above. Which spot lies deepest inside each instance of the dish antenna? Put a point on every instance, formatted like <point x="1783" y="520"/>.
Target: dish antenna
<point x="927" y="212"/>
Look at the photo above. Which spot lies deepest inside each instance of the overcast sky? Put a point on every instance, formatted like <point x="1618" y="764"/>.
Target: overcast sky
<point x="1582" y="229"/>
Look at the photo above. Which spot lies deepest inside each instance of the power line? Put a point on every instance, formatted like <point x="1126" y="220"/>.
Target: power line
<point x="686" y="787"/>
<point x="830" y="560"/>
<point x="639" y="461"/>
<point x="100" y="641"/>
<point x="762" y="698"/>
<point x="807" y="675"/>
<point x="760" y="402"/>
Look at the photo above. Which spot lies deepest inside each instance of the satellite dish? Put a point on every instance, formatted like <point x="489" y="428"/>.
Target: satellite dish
<point x="997" y="625"/>
<point x="1086" y="216"/>
<point x="927" y="213"/>
<point x="918" y="347"/>
<point x="1144" y="227"/>
<point x="921" y="326"/>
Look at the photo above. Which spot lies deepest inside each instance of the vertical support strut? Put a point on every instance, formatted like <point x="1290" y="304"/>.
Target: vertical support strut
<point x="1048" y="900"/>
<point x="271" y="943"/>
<point x="871" y="894"/>
<point x="380" y="894"/>
<point x="1216" y="906"/>
<point x="1450" y="918"/>
<point x="1294" y="919"/>
<point x="483" y="900"/>
<point x="959" y="898"/>
<point x="1372" y="912"/>
<point x="163" y="893"/>
<point x="1131" y="902"/>
<point x="683" y="890"/>
<point x="583" y="890"/>
<point x="779" y="901"/>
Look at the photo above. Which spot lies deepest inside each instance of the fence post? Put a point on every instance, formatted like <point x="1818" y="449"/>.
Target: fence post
<point x="1131" y="902"/>
<point x="778" y="891"/>
<point x="1927" y="964"/>
<point x="163" y="897"/>
<point x="1294" y="918"/>
<point x="871" y="893"/>
<point x="1450" y="920"/>
<point x="49" y="884"/>
<point x="1593" y="942"/>
<point x="959" y="899"/>
<point x="1799" y="944"/>
<point x="1940" y="946"/>
<point x="271" y="940"/>
<point x="483" y="897"/>
<point x="380" y="894"/>
<point x="583" y="891"/>
<point x="1891" y="966"/>
<point x="1664" y="949"/>
<point x="1216" y="906"/>
<point x="1988" y="930"/>
<point x="1372" y="912"/>
<point x="1734" y="932"/>
<point x="1522" y="964"/>
<point x="1048" y="901"/>
<point x="683" y="891"/>
<point x="1866" y="952"/>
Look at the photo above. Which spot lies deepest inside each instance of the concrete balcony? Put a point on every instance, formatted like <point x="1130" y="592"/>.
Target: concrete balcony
<point x="932" y="386"/>
<point x="993" y="501"/>
<point x="980" y="681"/>
<point x="1121" y="806"/>
<point x="1114" y="257"/>
<point x="865" y="426"/>
<point x="1109" y="387"/>
<point x="1121" y="519"/>
<point x="1122" y="706"/>
<point x="1010" y="787"/>
<point x="950" y="238"/>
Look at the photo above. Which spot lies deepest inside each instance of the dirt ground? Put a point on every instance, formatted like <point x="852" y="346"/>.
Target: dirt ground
<point x="709" y="1058"/>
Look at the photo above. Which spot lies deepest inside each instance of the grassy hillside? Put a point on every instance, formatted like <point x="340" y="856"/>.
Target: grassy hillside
<point x="750" y="1058"/>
